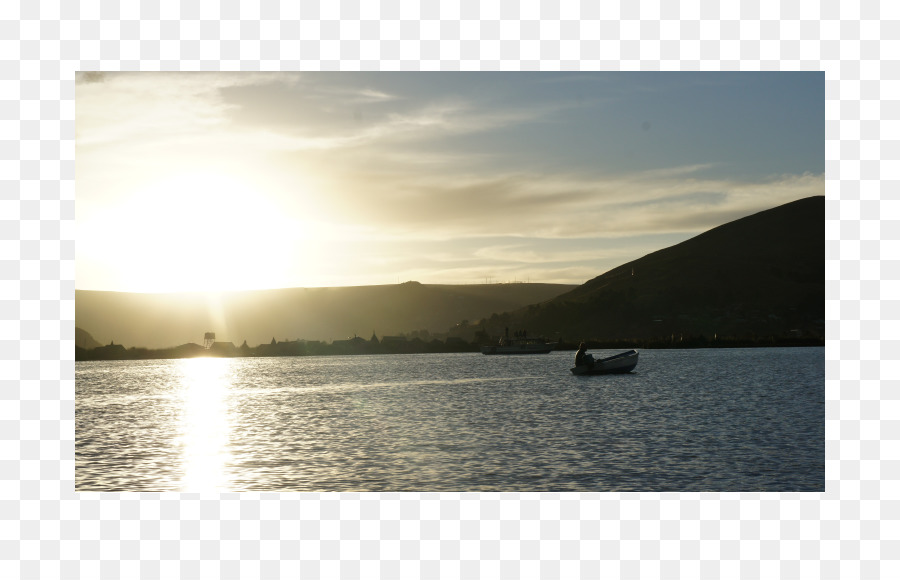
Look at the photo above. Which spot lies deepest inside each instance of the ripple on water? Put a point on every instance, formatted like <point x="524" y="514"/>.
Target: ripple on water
<point x="712" y="420"/>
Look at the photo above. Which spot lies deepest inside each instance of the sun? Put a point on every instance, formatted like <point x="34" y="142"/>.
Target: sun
<point x="201" y="231"/>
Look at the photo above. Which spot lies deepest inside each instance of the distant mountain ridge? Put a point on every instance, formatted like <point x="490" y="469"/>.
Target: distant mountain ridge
<point x="761" y="275"/>
<point x="326" y="314"/>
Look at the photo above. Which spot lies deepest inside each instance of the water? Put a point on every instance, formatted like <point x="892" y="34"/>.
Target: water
<point x="685" y="420"/>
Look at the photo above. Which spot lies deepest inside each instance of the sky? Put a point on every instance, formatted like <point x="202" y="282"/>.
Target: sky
<point x="238" y="181"/>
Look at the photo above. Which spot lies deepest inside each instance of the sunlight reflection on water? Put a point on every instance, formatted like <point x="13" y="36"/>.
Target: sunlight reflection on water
<point x="204" y="428"/>
<point x="738" y="420"/>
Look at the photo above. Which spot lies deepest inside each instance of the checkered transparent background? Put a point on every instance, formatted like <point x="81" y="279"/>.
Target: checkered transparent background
<point x="47" y="530"/>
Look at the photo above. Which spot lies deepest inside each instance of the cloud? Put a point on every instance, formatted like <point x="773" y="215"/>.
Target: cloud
<point x="145" y="117"/>
<point x="89" y="77"/>
<point x="445" y="205"/>
<point x="387" y="169"/>
<point x="394" y="163"/>
<point x="138" y="106"/>
<point x="542" y="252"/>
<point x="374" y="96"/>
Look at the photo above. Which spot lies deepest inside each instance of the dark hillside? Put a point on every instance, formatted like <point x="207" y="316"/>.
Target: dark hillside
<point x="762" y="275"/>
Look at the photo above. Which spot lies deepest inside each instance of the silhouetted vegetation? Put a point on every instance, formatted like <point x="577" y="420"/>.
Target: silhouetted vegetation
<point x="353" y="346"/>
<point x="402" y="345"/>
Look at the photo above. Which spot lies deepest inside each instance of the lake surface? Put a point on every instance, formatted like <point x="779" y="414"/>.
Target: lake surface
<point x="684" y="420"/>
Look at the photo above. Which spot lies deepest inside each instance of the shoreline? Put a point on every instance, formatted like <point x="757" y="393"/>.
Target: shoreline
<point x="119" y="352"/>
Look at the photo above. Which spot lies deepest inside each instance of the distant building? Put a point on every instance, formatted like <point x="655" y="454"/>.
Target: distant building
<point x="351" y="345"/>
<point x="223" y="348"/>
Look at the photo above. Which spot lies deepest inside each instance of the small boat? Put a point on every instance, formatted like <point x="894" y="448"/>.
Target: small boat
<point x="624" y="362"/>
<point x="520" y="344"/>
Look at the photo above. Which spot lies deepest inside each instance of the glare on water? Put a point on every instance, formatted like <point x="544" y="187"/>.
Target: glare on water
<point x="203" y="432"/>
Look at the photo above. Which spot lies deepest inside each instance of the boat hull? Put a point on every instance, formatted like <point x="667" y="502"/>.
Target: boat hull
<point x="624" y="362"/>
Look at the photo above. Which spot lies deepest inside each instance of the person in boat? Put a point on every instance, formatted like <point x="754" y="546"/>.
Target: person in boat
<point x="582" y="357"/>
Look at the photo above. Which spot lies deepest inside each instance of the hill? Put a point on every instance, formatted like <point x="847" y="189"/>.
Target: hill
<point x="166" y="320"/>
<point x="83" y="339"/>
<point x="759" y="276"/>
